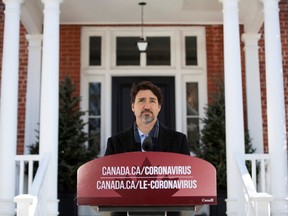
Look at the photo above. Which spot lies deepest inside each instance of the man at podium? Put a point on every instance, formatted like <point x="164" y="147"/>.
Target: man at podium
<point x="147" y="133"/>
<point x="146" y="99"/>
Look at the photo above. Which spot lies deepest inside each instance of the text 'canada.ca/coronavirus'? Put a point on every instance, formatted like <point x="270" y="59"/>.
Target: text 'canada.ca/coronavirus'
<point x="145" y="170"/>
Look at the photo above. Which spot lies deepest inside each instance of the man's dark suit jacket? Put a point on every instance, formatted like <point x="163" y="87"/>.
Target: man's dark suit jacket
<point x="168" y="141"/>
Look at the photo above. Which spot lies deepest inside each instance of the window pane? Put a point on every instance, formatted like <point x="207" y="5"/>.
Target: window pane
<point x="191" y="50"/>
<point x="94" y="133"/>
<point x="94" y="127"/>
<point x="193" y="131"/>
<point x="192" y="99"/>
<point x="94" y="99"/>
<point x="95" y="51"/>
<point x="192" y="113"/>
<point x="158" y="51"/>
<point x="126" y="51"/>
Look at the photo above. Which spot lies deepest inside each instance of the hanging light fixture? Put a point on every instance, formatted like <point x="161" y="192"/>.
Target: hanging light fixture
<point x="142" y="44"/>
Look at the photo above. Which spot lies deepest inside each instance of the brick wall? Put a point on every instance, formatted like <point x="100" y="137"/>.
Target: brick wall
<point x="215" y="59"/>
<point x="283" y="5"/>
<point x="215" y="63"/>
<point x="23" y="61"/>
<point x="263" y="88"/>
<point x="70" y="53"/>
<point x="69" y="65"/>
<point x="2" y="17"/>
<point x="284" y="40"/>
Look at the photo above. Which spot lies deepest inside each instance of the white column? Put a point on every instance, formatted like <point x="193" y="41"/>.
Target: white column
<point x="275" y="105"/>
<point x="9" y="106"/>
<point x="33" y="89"/>
<point x="233" y="105"/>
<point x="49" y="108"/>
<point x="253" y="91"/>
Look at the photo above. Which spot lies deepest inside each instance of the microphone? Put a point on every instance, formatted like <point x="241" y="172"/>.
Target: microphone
<point x="147" y="144"/>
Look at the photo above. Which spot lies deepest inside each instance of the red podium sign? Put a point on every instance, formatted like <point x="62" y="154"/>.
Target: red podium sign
<point x="146" y="179"/>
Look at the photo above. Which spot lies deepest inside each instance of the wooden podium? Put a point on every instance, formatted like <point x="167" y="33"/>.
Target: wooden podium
<point x="145" y="182"/>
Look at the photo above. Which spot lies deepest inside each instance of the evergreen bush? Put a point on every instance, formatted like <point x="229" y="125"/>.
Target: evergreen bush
<point x="72" y="143"/>
<point x="212" y="143"/>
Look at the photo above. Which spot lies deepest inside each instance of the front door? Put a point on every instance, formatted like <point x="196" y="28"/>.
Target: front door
<point x="122" y="115"/>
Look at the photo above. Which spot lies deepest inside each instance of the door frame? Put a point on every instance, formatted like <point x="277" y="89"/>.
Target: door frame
<point x="104" y="73"/>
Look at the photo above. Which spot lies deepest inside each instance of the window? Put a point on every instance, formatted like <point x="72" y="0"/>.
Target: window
<point x="191" y="50"/>
<point x="126" y="51"/>
<point x="158" y="52"/>
<point x="95" y="51"/>
<point x="117" y="47"/>
<point x="95" y="115"/>
<point x="192" y="112"/>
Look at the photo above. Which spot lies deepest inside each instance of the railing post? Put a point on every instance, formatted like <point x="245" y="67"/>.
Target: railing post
<point x="32" y="204"/>
<point x="257" y="204"/>
<point x="262" y="204"/>
<point x="24" y="204"/>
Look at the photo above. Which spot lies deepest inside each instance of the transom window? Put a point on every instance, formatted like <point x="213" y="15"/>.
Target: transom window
<point x="95" y="51"/>
<point x="158" y="52"/>
<point x="191" y="51"/>
<point x="126" y="51"/>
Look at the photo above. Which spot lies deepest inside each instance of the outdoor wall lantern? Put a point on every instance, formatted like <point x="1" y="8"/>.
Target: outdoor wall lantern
<point x="142" y="44"/>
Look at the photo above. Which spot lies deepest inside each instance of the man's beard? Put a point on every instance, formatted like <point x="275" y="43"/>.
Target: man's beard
<point x="147" y="118"/>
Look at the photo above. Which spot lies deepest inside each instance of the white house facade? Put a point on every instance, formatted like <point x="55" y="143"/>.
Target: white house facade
<point x="106" y="29"/>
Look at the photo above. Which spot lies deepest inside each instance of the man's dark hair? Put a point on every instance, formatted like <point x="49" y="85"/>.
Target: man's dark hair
<point x="145" y="85"/>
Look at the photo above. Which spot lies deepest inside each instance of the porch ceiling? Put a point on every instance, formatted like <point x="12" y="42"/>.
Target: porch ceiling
<point x="155" y="12"/>
<point x="128" y="11"/>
